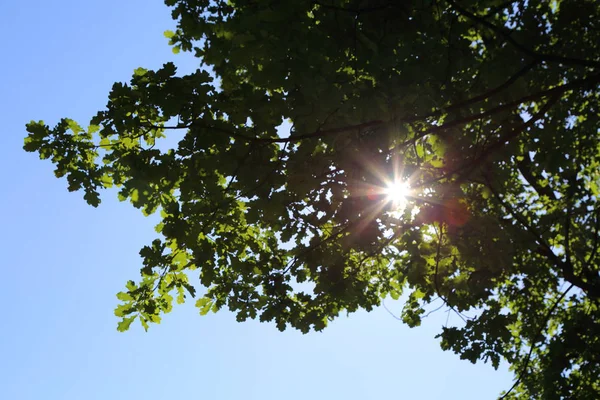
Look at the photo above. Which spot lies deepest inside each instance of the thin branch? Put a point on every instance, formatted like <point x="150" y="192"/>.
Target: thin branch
<point x="536" y="340"/>
<point x="513" y="133"/>
<point x="596" y="238"/>
<point x="557" y="90"/>
<point x="435" y="276"/>
<point x="523" y="167"/>
<point x="388" y="310"/>
<point x="554" y="92"/>
<point x="487" y="152"/>
<point x="356" y="11"/>
<point x="434" y="310"/>
<point x="500" y="7"/>
<point x="590" y="289"/>
<point x="481" y="97"/>
<point x="568" y="213"/>
<point x="588" y="269"/>
<point x="316" y="134"/>
<point x="501" y="32"/>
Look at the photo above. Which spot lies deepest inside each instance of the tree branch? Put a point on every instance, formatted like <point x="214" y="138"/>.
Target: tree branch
<point x="483" y="96"/>
<point x="566" y="268"/>
<point x="524" y="169"/>
<point x="440" y="236"/>
<point x="596" y="238"/>
<point x="500" y="7"/>
<point x="588" y="269"/>
<point x="499" y="31"/>
<point x="568" y="215"/>
<point x="510" y="135"/>
<point x="356" y="11"/>
<point x="554" y="92"/>
<point x="536" y="339"/>
<point x="557" y="90"/>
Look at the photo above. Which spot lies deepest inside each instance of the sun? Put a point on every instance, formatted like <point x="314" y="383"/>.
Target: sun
<point x="397" y="192"/>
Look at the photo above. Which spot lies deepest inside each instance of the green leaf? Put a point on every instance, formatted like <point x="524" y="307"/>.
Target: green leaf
<point x="140" y="71"/>
<point x="204" y="304"/>
<point x="124" y="296"/>
<point x="124" y="309"/>
<point x="144" y="323"/>
<point x="125" y="323"/>
<point x="93" y="129"/>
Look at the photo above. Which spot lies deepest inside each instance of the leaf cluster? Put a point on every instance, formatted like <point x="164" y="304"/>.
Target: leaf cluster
<point x="490" y="111"/>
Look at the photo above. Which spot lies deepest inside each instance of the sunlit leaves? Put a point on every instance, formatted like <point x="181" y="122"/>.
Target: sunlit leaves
<point x="496" y="134"/>
<point x="204" y="305"/>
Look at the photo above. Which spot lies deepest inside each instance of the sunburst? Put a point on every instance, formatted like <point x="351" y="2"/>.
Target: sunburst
<point x="397" y="191"/>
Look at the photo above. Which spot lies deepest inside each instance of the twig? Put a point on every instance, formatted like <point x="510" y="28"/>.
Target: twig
<point x="499" y="31"/>
<point x="435" y="276"/>
<point x="567" y="269"/>
<point x="555" y="91"/>
<point x="388" y="310"/>
<point x="535" y="341"/>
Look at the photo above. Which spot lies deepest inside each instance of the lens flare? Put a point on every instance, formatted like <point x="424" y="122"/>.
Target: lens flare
<point x="397" y="192"/>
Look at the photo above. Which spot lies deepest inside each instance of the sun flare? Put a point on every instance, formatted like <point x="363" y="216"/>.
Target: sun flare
<point x="397" y="191"/>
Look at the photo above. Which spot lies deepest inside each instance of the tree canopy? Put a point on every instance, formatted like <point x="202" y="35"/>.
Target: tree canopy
<point x="444" y="149"/>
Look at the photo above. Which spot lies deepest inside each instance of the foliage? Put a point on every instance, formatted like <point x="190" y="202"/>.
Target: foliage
<point x="489" y="110"/>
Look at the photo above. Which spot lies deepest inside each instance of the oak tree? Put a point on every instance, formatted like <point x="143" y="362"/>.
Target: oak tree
<point x="444" y="149"/>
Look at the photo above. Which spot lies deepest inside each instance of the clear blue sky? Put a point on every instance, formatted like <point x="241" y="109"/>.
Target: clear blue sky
<point x="63" y="261"/>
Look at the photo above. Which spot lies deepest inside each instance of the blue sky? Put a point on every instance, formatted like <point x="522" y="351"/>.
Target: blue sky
<point x="63" y="261"/>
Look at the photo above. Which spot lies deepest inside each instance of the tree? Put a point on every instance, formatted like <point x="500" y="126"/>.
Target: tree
<point x="486" y="110"/>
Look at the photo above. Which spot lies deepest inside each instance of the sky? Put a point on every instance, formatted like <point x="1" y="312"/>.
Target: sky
<point x="63" y="261"/>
